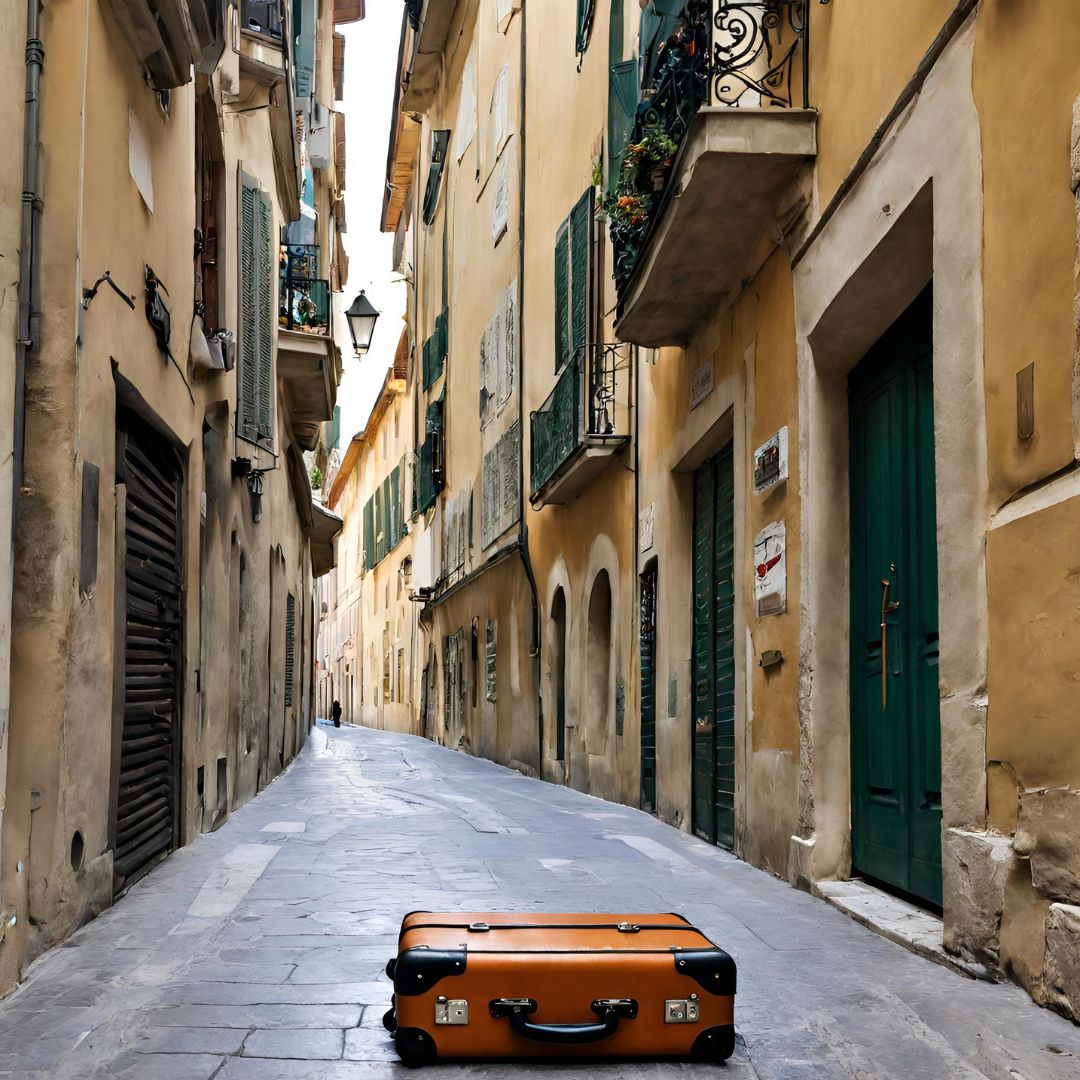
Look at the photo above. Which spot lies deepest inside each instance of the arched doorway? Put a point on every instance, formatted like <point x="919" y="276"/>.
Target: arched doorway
<point x="558" y="672"/>
<point x="598" y="666"/>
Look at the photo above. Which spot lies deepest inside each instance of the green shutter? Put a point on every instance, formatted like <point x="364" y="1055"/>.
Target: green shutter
<point x="622" y="106"/>
<point x="369" y="534"/>
<point x="658" y="22"/>
<point x="395" y="508"/>
<point x="580" y="251"/>
<point x="247" y="418"/>
<point x="440" y="140"/>
<point x="267" y="320"/>
<point x="586" y="9"/>
<point x="562" y="289"/>
<point x="435" y="351"/>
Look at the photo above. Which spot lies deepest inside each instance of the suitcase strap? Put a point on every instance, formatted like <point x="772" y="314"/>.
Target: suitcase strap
<point x="610" y="1011"/>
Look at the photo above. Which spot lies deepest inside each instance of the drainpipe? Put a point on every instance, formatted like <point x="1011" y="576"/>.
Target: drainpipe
<point x="29" y="293"/>
<point x="523" y="524"/>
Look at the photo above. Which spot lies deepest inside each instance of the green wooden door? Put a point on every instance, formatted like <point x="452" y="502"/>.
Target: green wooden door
<point x="648" y="690"/>
<point x="714" y="650"/>
<point x="895" y="726"/>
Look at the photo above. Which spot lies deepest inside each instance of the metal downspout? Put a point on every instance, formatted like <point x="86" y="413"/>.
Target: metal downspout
<point x="29" y="292"/>
<point x="523" y="524"/>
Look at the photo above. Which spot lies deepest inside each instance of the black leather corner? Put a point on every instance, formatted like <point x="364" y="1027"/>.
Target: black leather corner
<point x="711" y="969"/>
<point x="714" y="1044"/>
<point x="415" y="1047"/>
<point x="419" y="969"/>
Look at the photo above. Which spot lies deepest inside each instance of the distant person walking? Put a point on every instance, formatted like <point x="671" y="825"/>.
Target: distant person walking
<point x="335" y="713"/>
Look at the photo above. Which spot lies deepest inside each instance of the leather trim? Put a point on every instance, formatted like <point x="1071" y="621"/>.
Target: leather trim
<point x="711" y="969"/>
<point x="415" y="1047"/>
<point x="419" y="969"/>
<point x="714" y="1044"/>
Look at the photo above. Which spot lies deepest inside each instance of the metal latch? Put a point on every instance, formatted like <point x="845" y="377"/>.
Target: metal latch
<point x="681" y="1011"/>
<point x="628" y="928"/>
<point x="451" y="1011"/>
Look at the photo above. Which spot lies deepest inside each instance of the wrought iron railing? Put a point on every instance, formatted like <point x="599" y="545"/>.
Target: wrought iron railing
<point x="587" y="404"/>
<point x="733" y="53"/>
<point x="303" y="297"/>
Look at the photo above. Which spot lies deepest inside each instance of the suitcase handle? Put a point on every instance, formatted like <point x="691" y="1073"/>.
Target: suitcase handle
<point x="610" y="1011"/>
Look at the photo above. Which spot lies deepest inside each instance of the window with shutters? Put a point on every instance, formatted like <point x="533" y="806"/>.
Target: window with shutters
<point x="440" y="140"/>
<point x="255" y="383"/>
<point x="502" y="483"/>
<point x="369" y="534"/>
<point x="430" y="458"/>
<point x="573" y="281"/>
<point x="498" y="357"/>
<point x="435" y="350"/>
<point x="622" y="93"/>
<point x="290" y="649"/>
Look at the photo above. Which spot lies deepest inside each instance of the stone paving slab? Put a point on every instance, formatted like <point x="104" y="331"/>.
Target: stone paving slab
<point x="257" y="952"/>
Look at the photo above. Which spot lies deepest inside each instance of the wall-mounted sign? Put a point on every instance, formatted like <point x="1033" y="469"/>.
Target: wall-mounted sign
<point x="701" y="384"/>
<point x="647" y="528"/>
<point x="770" y="462"/>
<point x="770" y="570"/>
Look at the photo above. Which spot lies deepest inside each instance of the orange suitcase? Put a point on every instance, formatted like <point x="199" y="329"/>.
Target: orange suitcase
<point x="527" y="985"/>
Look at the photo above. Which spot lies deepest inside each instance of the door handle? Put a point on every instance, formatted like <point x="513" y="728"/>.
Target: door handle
<point x="887" y="608"/>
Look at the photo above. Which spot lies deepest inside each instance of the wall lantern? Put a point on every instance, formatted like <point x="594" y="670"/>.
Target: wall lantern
<point x="361" y="317"/>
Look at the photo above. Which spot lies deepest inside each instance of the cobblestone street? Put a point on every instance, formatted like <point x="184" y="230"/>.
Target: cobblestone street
<point x="258" y="951"/>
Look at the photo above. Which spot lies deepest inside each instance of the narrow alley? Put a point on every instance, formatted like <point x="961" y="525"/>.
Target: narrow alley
<point x="258" y="951"/>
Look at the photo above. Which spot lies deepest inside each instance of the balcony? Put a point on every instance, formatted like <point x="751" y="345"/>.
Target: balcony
<point x="307" y="356"/>
<point x="303" y="297"/>
<point x="710" y="175"/>
<point x="582" y="425"/>
<point x="262" y="51"/>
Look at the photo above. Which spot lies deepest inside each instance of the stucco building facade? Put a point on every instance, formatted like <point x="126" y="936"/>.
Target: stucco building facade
<point x="775" y="305"/>
<point x="180" y="371"/>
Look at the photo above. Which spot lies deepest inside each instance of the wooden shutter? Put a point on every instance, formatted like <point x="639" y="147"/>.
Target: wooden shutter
<point x="580" y="277"/>
<point x="440" y="140"/>
<point x="267" y="320"/>
<point x="369" y="534"/>
<point x="395" y="507"/>
<point x="290" y="649"/>
<point x="622" y="106"/>
<point x="255" y="385"/>
<point x="586" y="9"/>
<point x="247" y="390"/>
<point x="562" y="295"/>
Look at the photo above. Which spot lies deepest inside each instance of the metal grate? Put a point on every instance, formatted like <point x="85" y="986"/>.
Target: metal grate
<point x="149" y="760"/>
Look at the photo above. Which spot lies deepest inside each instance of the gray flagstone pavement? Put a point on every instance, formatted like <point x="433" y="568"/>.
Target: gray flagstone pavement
<point x="257" y="952"/>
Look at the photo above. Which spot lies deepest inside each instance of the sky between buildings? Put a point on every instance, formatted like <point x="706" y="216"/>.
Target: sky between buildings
<point x="371" y="48"/>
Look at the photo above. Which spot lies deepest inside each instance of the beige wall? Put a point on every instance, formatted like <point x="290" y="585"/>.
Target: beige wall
<point x="92" y="360"/>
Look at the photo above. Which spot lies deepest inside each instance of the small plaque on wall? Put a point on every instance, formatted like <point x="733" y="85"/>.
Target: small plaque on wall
<point x="770" y="570"/>
<point x="701" y="384"/>
<point x="771" y="462"/>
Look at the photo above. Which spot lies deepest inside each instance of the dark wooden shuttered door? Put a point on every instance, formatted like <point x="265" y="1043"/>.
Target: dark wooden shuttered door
<point x="146" y="807"/>
<point x="714" y="650"/>
<point x="648" y="690"/>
